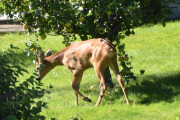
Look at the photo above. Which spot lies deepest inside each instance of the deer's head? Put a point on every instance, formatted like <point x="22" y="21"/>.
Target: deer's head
<point x="42" y="64"/>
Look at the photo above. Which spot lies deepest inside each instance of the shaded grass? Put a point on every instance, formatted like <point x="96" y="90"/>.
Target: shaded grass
<point x="157" y="95"/>
<point x="157" y="88"/>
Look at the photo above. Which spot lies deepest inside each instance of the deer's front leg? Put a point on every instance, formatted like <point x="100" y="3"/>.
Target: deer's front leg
<point x="100" y="75"/>
<point x="77" y="76"/>
<point x="103" y="89"/>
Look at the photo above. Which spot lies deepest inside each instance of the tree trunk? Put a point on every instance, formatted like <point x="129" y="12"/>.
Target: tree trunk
<point x="108" y="78"/>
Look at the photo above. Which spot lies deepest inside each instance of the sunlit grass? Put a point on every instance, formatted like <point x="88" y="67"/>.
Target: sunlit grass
<point x="157" y="95"/>
<point x="156" y="47"/>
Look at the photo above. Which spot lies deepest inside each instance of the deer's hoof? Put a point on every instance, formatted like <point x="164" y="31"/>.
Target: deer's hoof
<point x="87" y="99"/>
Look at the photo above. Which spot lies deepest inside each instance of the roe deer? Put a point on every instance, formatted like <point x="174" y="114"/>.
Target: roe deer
<point x="79" y="56"/>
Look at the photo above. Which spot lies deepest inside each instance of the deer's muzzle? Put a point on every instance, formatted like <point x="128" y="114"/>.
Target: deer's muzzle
<point x="38" y="78"/>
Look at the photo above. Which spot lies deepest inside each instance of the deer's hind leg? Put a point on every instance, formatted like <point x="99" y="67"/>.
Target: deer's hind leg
<point x="77" y="76"/>
<point x="115" y="68"/>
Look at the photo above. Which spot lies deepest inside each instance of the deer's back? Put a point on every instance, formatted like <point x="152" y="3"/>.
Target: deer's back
<point x="82" y="55"/>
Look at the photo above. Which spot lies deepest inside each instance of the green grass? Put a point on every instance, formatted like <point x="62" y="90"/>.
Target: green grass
<point x="156" y="97"/>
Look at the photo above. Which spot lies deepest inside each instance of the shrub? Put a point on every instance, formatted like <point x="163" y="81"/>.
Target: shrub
<point x="18" y="100"/>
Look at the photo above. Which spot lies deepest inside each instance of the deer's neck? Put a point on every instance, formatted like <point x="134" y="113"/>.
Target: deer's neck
<point x="55" y="59"/>
<point x="51" y="62"/>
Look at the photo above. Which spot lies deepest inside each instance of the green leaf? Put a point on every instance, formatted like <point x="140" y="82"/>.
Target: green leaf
<point x="164" y="24"/>
<point x="142" y="72"/>
<point x="50" y="86"/>
<point x="24" y="70"/>
<point x="38" y="104"/>
<point x="11" y="45"/>
<point x="11" y="117"/>
<point x="42" y="118"/>
<point x="89" y="14"/>
<point x="133" y="32"/>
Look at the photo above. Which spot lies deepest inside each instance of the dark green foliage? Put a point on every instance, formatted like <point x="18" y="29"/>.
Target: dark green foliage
<point x="102" y="18"/>
<point x="17" y="99"/>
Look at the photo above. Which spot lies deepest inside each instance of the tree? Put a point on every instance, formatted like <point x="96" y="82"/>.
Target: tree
<point x="111" y="19"/>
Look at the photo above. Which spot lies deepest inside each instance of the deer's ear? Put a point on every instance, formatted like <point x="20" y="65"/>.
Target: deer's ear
<point x="48" y="53"/>
<point x="41" y="56"/>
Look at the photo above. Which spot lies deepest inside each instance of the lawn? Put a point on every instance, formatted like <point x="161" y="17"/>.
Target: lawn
<point x="155" y="97"/>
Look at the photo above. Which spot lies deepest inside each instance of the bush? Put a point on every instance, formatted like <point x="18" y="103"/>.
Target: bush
<point x="17" y="99"/>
